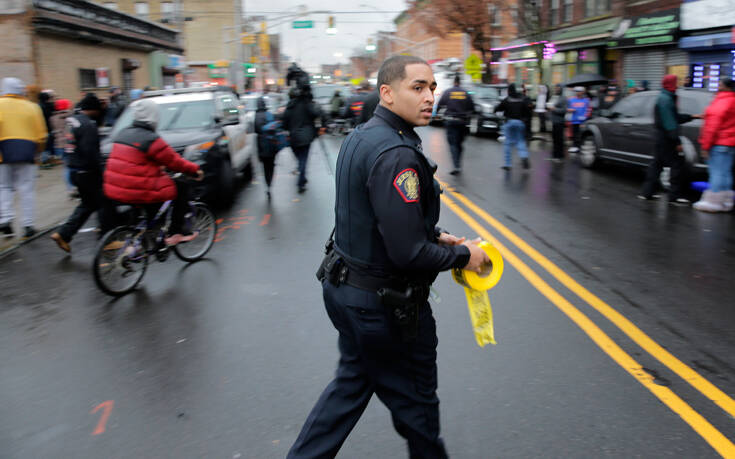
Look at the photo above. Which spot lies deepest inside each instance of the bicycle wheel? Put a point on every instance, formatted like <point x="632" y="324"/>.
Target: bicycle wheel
<point x="203" y="224"/>
<point x="120" y="261"/>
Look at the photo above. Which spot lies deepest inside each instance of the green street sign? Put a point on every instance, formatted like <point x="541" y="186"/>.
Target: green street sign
<point x="302" y="25"/>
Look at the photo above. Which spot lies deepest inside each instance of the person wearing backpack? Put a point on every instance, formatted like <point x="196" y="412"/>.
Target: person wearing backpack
<point x="265" y="127"/>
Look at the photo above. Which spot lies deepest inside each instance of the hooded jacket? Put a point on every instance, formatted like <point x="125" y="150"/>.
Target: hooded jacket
<point x="22" y="127"/>
<point x="261" y="119"/>
<point x="298" y="120"/>
<point x="666" y="113"/>
<point x="133" y="174"/>
<point x="719" y="122"/>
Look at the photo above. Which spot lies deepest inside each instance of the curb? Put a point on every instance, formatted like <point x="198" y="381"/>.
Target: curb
<point x="7" y="251"/>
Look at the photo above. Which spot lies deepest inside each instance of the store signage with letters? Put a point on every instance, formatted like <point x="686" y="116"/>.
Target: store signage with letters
<point x="652" y="29"/>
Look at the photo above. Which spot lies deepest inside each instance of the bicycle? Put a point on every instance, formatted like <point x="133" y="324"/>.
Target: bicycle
<point x="122" y="255"/>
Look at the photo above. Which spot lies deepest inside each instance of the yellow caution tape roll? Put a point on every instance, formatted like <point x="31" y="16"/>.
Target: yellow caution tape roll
<point x="490" y="275"/>
<point x="476" y="286"/>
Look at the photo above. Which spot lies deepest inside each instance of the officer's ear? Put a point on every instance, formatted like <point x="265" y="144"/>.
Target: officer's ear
<point x="386" y="94"/>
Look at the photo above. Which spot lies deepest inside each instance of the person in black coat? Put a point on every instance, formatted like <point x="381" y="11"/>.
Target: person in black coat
<point x="266" y="150"/>
<point x="516" y="109"/>
<point x="299" y="120"/>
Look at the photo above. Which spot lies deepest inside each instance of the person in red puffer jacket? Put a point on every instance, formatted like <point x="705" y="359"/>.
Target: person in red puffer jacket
<point x="134" y="172"/>
<point x="717" y="140"/>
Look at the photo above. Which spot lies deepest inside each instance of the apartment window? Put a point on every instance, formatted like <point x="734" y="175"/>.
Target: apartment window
<point x="567" y="13"/>
<point x="492" y="11"/>
<point x="167" y="11"/>
<point x="141" y="10"/>
<point x="514" y="16"/>
<point x="110" y="5"/>
<point x="596" y="7"/>
<point x="554" y="13"/>
<point x="87" y="78"/>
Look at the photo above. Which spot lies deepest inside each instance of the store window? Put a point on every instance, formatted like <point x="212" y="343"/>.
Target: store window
<point x="110" y="5"/>
<point x="167" y="11"/>
<point x="87" y="78"/>
<point x="568" y="10"/>
<point x="141" y="10"/>
<point x="554" y="13"/>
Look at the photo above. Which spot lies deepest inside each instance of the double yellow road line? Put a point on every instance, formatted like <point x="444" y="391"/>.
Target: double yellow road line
<point x="707" y="431"/>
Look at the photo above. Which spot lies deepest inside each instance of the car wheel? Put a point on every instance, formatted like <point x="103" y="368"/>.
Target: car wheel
<point x="475" y="125"/>
<point x="589" y="152"/>
<point x="226" y="182"/>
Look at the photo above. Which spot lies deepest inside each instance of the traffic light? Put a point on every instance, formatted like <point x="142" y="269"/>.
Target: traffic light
<point x="331" y="25"/>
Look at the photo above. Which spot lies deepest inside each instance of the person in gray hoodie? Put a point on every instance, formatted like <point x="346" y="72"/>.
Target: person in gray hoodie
<point x="558" y="110"/>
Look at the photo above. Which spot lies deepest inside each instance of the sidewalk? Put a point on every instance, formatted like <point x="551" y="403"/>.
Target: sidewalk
<point x="53" y="206"/>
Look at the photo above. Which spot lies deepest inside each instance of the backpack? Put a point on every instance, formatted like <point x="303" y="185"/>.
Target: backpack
<point x="274" y="134"/>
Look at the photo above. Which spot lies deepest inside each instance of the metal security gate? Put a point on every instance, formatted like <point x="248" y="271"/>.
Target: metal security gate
<point x="648" y="64"/>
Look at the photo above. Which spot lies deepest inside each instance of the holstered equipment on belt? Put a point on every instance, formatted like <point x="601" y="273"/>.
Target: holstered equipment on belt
<point x="401" y="298"/>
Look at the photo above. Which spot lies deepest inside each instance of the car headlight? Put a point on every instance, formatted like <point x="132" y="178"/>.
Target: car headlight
<point x="195" y="153"/>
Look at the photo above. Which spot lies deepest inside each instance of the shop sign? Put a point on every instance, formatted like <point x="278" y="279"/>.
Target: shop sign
<point x="707" y="14"/>
<point x="652" y="29"/>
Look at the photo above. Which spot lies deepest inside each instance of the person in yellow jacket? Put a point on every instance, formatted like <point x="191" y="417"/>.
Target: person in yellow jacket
<point x="22" y="134"/>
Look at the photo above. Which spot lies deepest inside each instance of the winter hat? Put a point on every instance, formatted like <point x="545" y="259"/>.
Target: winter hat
<point x="669" y="82"/>
<point x="145" y="111"/>
<point x="62" y="104"/>
<point x="13" y="86"/>
<point x="90" y="102"/>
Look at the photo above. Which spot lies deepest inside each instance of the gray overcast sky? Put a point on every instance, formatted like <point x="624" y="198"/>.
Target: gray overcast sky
<point x="313" y="47"/>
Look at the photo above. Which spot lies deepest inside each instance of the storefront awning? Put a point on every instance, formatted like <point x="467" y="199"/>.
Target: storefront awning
<point x="598" y="30"/>
<point x="713" y="40"/>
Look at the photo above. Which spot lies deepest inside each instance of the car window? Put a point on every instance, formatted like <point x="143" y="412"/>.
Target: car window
<point x="228" y="105"/>
<point x="195" y="114"/>
<point x="691" y="103"/>
<point x="634" y="106"/>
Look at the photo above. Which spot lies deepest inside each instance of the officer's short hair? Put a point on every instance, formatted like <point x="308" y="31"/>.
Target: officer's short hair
<point x="394" y="68"/>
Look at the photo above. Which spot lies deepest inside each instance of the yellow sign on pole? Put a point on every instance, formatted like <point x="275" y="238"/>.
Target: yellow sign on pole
<point x="473" y="67"/>
<point x="247" y="39"/>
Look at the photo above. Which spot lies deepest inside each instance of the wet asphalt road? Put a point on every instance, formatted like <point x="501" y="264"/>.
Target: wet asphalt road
<point x="224" y="358"/>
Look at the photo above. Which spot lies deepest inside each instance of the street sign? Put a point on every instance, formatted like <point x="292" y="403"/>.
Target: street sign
<point x="473" y="67"/>
<point x="302" y="25"/>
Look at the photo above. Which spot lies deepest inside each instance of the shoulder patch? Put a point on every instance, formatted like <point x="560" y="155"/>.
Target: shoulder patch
<point x="407" y="184"/>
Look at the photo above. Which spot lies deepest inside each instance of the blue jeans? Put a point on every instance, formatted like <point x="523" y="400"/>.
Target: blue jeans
<point x="302" y="154"/>
<point x="515" y="136"/>
<point x="720" y="168"/>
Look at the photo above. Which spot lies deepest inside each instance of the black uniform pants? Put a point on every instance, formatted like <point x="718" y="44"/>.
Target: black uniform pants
<point x="375" y="359"/>
<point x="89" y="186"/>
<point x="557" y="135"/>
<point x="666" y="155"/>
<point x="456" y="131"/>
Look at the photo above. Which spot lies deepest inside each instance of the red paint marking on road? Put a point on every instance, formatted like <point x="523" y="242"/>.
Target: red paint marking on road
<point x="266" y="219"/>
<point x="106" y="410"/>
<point x="219" y="239"/>
<point x="220" y="220"/>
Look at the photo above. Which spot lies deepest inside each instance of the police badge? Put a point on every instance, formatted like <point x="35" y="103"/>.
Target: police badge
<point x="407" y="184"/>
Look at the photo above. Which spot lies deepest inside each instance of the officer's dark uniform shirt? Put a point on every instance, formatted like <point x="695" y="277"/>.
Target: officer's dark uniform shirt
<point x="459" y="103"/>
<point x="387" y="204"/>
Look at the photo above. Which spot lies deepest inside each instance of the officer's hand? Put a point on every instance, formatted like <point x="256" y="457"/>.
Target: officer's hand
<point x="200" y="175"/>
<point x="478" y="257"/>
<point x="449" y="239"/>
<point x="322" y="130"/>
<point x="704" y="154"/>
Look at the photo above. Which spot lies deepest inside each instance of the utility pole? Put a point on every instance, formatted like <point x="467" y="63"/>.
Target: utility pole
<point x="239" y="75"/>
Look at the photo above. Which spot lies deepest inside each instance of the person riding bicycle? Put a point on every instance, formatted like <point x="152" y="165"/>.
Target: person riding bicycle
<point x="135" y="175"/>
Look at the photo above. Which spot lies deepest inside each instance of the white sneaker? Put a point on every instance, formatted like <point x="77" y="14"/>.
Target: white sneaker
<point x="711" y="202"/>
<point x="573" y="149"/>
<point x="727" y="201"/>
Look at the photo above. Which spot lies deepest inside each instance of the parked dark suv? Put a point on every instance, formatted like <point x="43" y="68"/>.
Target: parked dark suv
<point x="626" y="133"/>
<point x="205" y="126"/>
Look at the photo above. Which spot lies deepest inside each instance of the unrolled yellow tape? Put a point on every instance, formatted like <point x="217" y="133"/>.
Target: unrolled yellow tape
<point x="476" y="286"/>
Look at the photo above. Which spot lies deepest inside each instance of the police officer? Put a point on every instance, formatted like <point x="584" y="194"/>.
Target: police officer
<point x="459" y="106"/>
<point x="376" y="275"/>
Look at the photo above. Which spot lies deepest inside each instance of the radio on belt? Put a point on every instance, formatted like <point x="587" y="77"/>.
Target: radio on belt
<point x="476" y="286"/>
